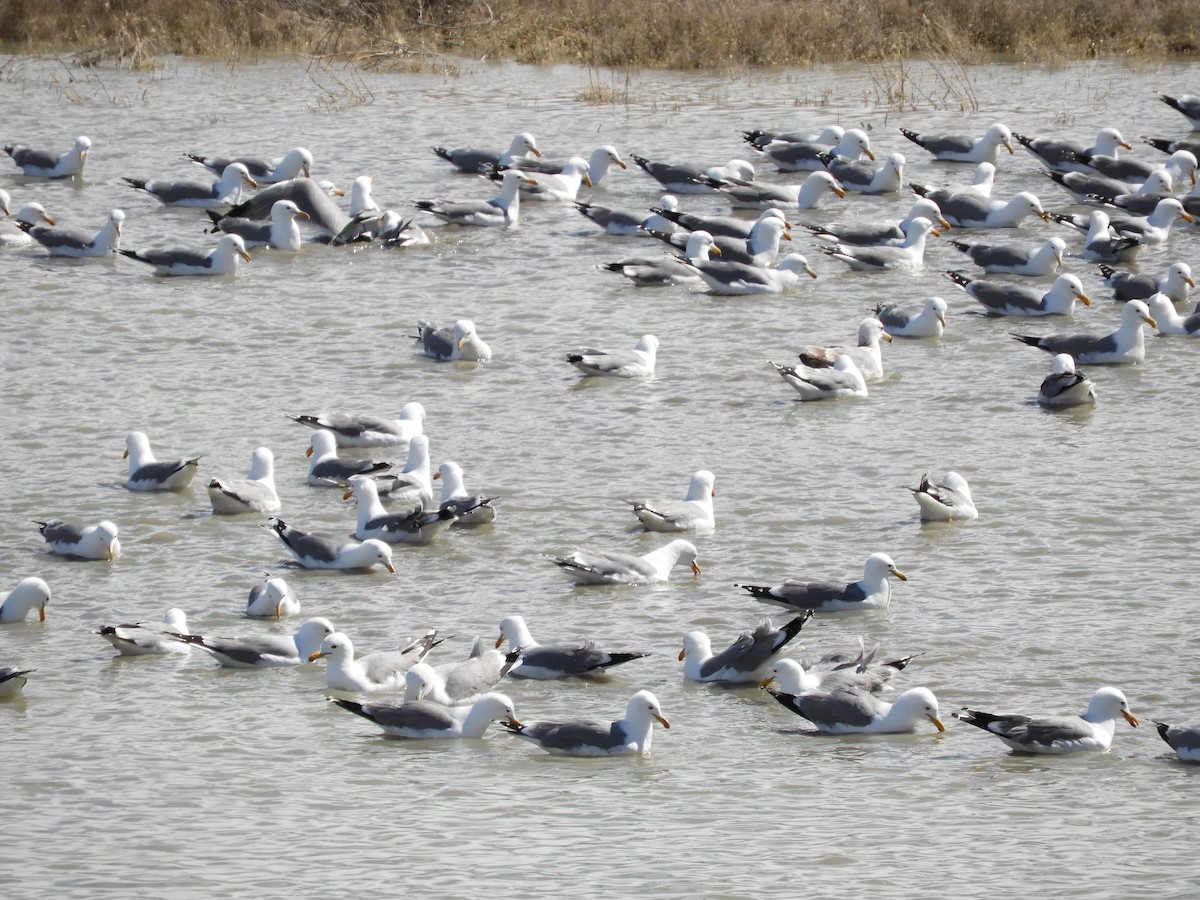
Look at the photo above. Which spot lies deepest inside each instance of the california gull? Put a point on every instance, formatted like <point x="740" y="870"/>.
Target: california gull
<point x="29" y="595"/>
<point x="460" y="684"/>
<point x="97" y="541"/>
<point x="738" y="279"/>
<point x="146" y="473"/>
<point x="47" y="163"/>
<point x="871" y="233"/>
<point x="1064" y="156"/>
<point x="545" y="662"/>
<point x="473" y="509"/>
<point x="824" y="383"/>
<point x="884" y="177"/>
<point x="872" y="591"/>
<point x="281" y="232"/>
<point x="928" y="320"/>
<point x="851" y="711"/>
<point x="582" y="737"/>
<point x="264" y="651"/>
<point x="296" y="163"/>
<point x="867" y="355"/>
<point x="805" y="195"/>
<point x="503" y="209"/>
<point x="12" y="680"/>
<point x="314" y="551"/>
<point x="422" y="720"/>
<point x="357" y="430"/>
<point x="1006" y="298"/>
<point x="744" y="661"/>
<point x="323" y="214"/>
<point x="148" y="638"/>
<point x="1064" y="386"/>
<point x="1184" y="740"/>
<point x="225" y="191"/>
<point x="460" y="342"/>
<point x="329" y="470"/>
<point x="964" y="148"/>
<point x="271" y="599"/>
<point x="1010" y="259"/>
<point x="471" y="160"/>
<point x="947" y="500"/>
<point x="908" y="255"/>
<point x="1169" y="320"/>
<point x="372" y="672"/>
<point x="1176" y="283"/>
<point x="595" y="567"/>
<point x="1093" y="730"/>
<point x="254" y="493"/>
<point x="72" y="242"/>
<point x="693" y="513"/>
<point x="221" y="260"/>
<point x="417" y="526"/>
<point x="636" y="363"/>
<point x="1125" y="346"/>
<point x="645" y="271"/>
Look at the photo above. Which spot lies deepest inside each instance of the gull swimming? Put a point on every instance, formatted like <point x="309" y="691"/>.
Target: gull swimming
<point x="296" y="163"/>
<point x="329" y="470"/>
<point x="850" y="711"/>
<point x="47" y="163"/>
<point x="72" y="242"/>
<point x="1064" y="386"/>
<point x="371" y="672"/>
<point x="693" y="513"/>
<point x="581" y="737"/>
<point x="963" y="148"/>
<point x="264" y="651"/>
<point x="148" y="638"/>
<point x="824" y="383"/>
<point x="926" y="321"/>
<point x="872" y="591"/>
<point x="1123" y="347"/>
<point x="867" y="356"/>
<point x="636" y="363"/>
<point x="739" y="279"/>
<point x="314" y="551"/>
<point x="544" y="662"/>
<point x="221" y="260"/>
<point x="255" y="493"/>
<point x="1092" y="730"/>
<point x="355" y="430"/>
<point x="225" y="191"/>
<point x="503" y="209"/>
<point x="1004" y="298"/>
<point x="591" y="567"/>
<point x="146" y="473"/>
<point x="459" y="342"/>
<point x="97" y="541"/>
<point x="281" y="232"/>
<point x="422" y="720"/>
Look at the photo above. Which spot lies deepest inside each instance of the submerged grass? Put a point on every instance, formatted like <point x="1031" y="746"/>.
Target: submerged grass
<point x="672" y="34"/>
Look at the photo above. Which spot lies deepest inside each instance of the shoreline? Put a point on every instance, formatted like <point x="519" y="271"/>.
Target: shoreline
<point x="683" y="35"/>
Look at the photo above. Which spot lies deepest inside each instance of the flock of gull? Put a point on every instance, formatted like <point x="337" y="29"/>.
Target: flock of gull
<point x="1135" y="204"/>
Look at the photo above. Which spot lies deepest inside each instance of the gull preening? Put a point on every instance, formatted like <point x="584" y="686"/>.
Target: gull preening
<point x="947" y="500"/>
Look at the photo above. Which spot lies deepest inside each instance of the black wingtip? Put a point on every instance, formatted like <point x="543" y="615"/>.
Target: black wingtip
<point x="958" y="277"/>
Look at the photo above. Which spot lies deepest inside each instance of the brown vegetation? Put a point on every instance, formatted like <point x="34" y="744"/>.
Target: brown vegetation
<point x="675" y="34"/>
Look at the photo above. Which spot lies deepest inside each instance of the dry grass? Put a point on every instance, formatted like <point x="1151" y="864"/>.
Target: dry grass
<point x="674" y="34"/>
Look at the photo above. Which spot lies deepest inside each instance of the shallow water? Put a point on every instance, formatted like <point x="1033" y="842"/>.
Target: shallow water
<point x="170" y="777"/>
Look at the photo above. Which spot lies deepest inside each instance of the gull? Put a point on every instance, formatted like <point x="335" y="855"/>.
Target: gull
<point x="413" y="484"/>
<point x="1186" y="104"/>
<point x="636" y="363"/>
<point x="745" y="660"/>
<point x="1185" y="741"/>
<point x="800" y="156"/>
<point x="842" y="380"/>
<point x="948" y="500"/>
<point x="264" y="651"/>
<point x="645" y="271"/>
<point x="148" y="474"/>
<point x="1154" y="228"/>
<point x="270" y="599"/>
<point x="374" y="521"/>
<point x="221" y="260"/>
<point x="717" y="226"/>
<point x="867" y="356"/>
<point x="12" y="680"/>
<point x="1090" y="187"/>
<point x="630" y="224"/>
<point x="1004" y="298"/>
<point x="966" y="208"/>
<point x="908" y="255"/>
<point x="872" y="591"/>
<point x="832" y="673"/>
<point x="471" y="160"/>
<point x="758" y="249"/>
<point x="354" y="430"/>
<point x="373" y="672"/>
<point x="679" y="179"/>
<point x="1093" y="730"/>
<point x="1007" y="259"/>
<point x="591" y="567"/>
<point x="225" y="191"/>
<point x="47" y="163"/>
<point x="254" y="493"/>
<point x="1101" y="242"/>
<point x="758" y="138"/>
<point x="314" y="551"/>
<point x="588" y="738"/>
<point x="1064" y="386"/>
<point x="97" y="541"/>
<point x="503" y="209"/>
<point x="544" y="662"/>
<point x="799" y="196"/>
<point x="598" y="164"/>
<point x="328" y="470"/>
<point x="1181" y="164"/>
<point x="1125" y="346"/>
<point x="1176" y="283"/>
<point x="850" y="711"/>
<point x="929" y="320"/>
<point x="562" y="186"/>
<point x="148" y="638"/>
<point x="963" y="148"/>
<point x="869" y="234"/>
<point x="461" y="342"/>
<point x="1064" y="156"/>
<point x="314" y="200"/>
<point x="281" y="232"/>
<point x="473" y="509"/>
<point x="693" y="513"/>
<point x="72" y="242"/>
<point x="296" y="163"/>
<point x="868" y="178"/>
<point x="30" y="594"/>
<point x="418" y="720"/>
<point x="460" y="684"/>
<point x="1169" y="320"/>
<point x="386" y="226"/>
<point x="741" y="279"/>
<point x="28" y="216"/>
